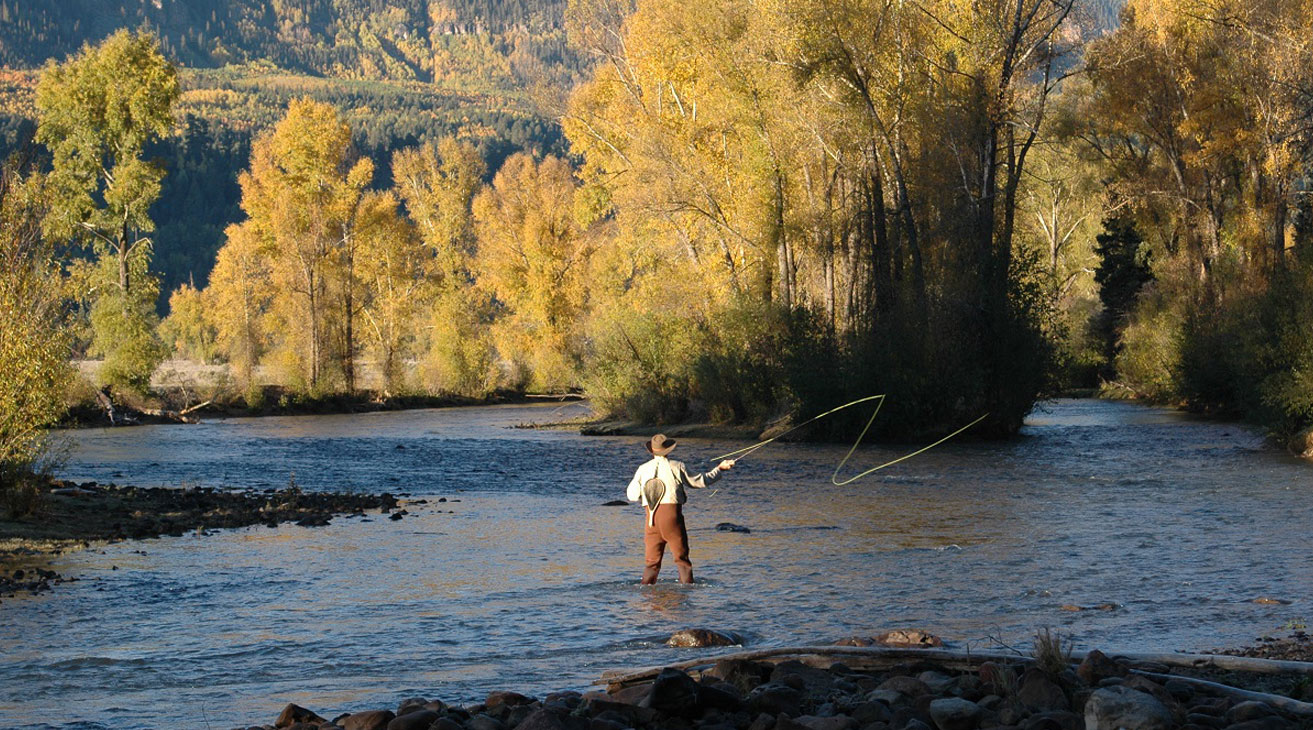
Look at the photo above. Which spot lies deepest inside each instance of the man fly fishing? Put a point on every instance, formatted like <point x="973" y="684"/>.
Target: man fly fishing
<point x="660" y="485"/>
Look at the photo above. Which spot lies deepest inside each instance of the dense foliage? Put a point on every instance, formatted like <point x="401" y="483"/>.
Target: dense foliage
<point x="33" y="342"/>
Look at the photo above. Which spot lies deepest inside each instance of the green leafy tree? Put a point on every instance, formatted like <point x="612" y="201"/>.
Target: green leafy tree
<point x="33" y="342"/>
<point x="97" y="111"/>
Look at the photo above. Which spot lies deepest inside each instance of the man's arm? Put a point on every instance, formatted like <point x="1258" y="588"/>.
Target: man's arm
<point x="635" y="490"/>
<point x="702" y="481"/>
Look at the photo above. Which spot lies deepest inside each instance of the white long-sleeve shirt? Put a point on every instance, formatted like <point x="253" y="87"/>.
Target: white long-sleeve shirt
<point x="676" y="477"/>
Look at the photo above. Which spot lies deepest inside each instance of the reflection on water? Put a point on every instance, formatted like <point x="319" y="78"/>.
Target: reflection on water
<point x="528" y="583"/>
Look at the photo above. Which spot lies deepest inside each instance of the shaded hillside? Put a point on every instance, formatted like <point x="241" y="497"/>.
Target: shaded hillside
<point x="471" y="44"/>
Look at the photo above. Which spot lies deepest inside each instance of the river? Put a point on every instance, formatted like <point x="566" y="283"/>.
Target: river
<point x="523" y="580"/>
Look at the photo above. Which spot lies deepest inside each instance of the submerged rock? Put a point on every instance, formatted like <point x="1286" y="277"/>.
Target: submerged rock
<point x="731" y="527"/>
<point x="700" y="638"/>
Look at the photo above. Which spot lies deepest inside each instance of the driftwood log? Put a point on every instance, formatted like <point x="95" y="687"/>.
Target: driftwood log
<point x="862" y="657"/>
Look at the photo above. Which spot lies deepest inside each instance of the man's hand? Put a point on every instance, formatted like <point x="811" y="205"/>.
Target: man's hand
<point x="726" y="465"/>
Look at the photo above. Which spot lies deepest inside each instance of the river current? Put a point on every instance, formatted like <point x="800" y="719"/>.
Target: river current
<point x="523" y="580"/>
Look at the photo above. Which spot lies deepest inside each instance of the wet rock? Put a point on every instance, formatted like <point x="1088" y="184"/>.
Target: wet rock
<point x="507" y="698"/>
<point x="632" y="695"/>
<point x="543" y="719"/>
<point x="1097" y="666"/>
<point x="905" y="685"/>
<point x="674" y="693"/>
<point x="700" y="638"/>
<point x="744" y="675"/>
<point x="1249" y="710"/>
<point x="446" y="723"/>
<point x="731" y="527"/>
<point x="909" y="638"/>
<point x="615" y="503"/>
<point x="293" y="714"/>
<point x="415" y="719"/>
<point x="953" y="713"/>
<point x="803" y="677"/>
<point x="775" y="698"/>
<point x="411" y="704"/>
<point x="1115" y="708"/>
<point x="938" y="682"/>
<point x="369" y="720"/>
<point x="1054" y="721"/>
<point x="479" y="722"/>
<point x="813" y="722"/>
<point x="1039" y="693"/>
<point x="718" y="698"/>
<point x="871" y="712"/>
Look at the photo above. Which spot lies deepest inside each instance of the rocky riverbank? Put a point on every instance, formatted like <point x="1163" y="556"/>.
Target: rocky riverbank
<point x="861" y="691"/>
<point x="71" y="516"/>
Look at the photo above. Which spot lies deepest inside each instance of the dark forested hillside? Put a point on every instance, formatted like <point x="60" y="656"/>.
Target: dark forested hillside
<point x="401" y="72"/>
<point x="467" y="43"/>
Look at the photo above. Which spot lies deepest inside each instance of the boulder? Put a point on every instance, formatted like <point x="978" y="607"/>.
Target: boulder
<point x="955" y="713"/>
<point x="416" y="719"/>
<point x="479" y="722"/>
<point x="1249" y="710"/>
<point x="369" y="720"/>
<point x="631" y="695"/>
<point x="723" y="697"/>
<point x="674" y="693"/>
<point x="1054" y="721"/>
<point x="1039" y="693"/>
<point x="838" y="722"/>
<point x="701" y="638"/>
<point x="775" y="698"/>
<point x="543" y="719"/>
<point x="909" y="638"/>
<point x="1120" y="707"/>
<point x="293" y="714"/>
<point x="744" y="675"/>
<point x="411" y="705"/>
<point x="1097" y="666"/>
<point x="871" y="712"/>
<point x="803" y="677"/>
<point x="938" y="682"/>
<point x="909" y="686"/>
<point x="507" y="698"/>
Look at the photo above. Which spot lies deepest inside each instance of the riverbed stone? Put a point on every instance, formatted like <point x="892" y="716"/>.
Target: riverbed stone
<point x="1123" y="708"/>
<point x="909" y="686"/>
<point x="1040" y="693"/>
<point x="1058" y="720"/>
<point x="293" y="714"/>
<point x="836" y="722"/>
<point x="416" y="719"/>
<point x="543" y="719"/>
<point x="699" y="638"/>
<point x="1249" y="710"/>
<point x="775" y="698"/>
<point x="955" y="713"/>
<point x="674" y="693"/>
<point x="744" y="675"/>
<point x="507" y="698"/>
<point x="1097" y="666"/>
<point x="368" y="720"/>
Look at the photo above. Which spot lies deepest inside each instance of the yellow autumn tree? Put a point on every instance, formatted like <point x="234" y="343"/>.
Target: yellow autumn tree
<point x="533" y="257"/>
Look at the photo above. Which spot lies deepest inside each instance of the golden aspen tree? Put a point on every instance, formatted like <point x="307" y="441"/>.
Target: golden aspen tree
<point x="238" y="298"/>
<point x="533" y="257"/>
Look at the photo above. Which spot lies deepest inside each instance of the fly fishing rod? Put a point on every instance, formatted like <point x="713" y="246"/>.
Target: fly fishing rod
<point x="834" y="478"/>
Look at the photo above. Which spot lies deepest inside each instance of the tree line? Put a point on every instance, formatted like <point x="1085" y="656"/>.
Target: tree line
<point x="767" y="209"/>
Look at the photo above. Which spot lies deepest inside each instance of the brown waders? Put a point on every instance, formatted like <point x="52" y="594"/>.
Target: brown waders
<point x="666" y="528"/>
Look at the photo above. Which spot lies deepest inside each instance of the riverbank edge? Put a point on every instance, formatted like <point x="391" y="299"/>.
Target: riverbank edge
<point x="178" y="404"/>
<point x="68" y="517"/>
<point x="843" y="687"/>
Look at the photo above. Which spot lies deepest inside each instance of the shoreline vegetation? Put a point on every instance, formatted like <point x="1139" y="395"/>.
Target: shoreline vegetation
<point x="860" y="683"/>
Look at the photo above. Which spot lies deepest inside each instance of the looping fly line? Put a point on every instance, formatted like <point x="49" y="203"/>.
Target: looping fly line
<point x="834" y="478"/>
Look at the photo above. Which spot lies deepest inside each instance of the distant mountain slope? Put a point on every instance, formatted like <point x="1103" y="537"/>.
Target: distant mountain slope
<point x="484" y="44"/>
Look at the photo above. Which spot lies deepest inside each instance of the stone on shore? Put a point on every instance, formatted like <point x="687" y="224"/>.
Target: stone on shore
<point x="1123" y="708"/>
<point x="293" y="714"/>
<point x="368" y="720"/>
<point x="955" y="713"/>
<point x="414" y="719"/>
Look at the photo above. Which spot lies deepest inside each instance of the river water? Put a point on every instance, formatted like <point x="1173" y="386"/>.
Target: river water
<point x="523" y="580"/>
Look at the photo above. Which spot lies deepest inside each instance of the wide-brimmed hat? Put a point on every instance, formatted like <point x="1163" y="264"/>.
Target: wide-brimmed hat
<point x="660" y="445"/>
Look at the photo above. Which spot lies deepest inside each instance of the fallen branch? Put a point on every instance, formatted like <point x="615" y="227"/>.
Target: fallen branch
<point x="1295" y="707"/>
